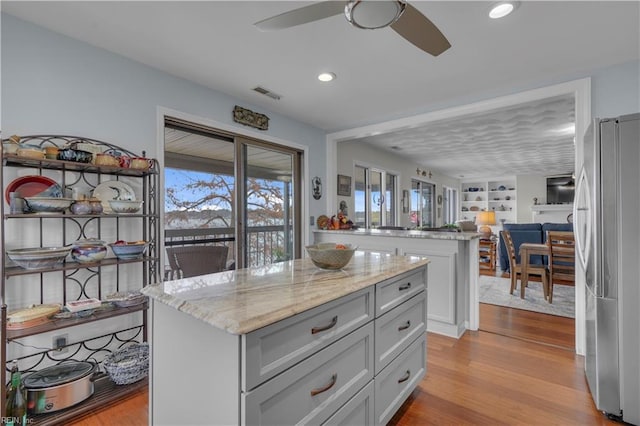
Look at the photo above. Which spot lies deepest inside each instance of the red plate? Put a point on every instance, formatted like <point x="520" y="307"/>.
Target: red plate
<point x="29" y="186"/>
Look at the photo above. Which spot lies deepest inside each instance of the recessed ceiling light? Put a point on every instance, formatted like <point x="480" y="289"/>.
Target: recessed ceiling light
<point x="326" y="76"/>
<point x="502" y="9"/>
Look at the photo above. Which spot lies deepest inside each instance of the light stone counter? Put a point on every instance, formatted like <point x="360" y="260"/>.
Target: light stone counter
<point x="245" y="300"/>
<point x="410" y="233"/>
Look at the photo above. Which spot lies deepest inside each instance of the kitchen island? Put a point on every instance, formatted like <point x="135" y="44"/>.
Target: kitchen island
<point x="453" y="269"/>
<point x="289" y="343"/>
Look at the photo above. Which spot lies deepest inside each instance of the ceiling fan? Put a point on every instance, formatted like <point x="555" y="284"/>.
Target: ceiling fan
<point x="403" y="18"/>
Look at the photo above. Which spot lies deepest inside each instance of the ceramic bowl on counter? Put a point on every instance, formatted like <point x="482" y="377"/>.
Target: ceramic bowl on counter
<point x="125" y="206"/>
<point x="39" y="257"/>
<point x="128" y="250"/>
<point x="89" y="250"/>
<point x="47" y="204"/>
<point x="330" y="255"/>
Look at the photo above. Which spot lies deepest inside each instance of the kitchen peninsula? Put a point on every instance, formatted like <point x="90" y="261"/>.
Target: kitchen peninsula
<point x="289" y="343"/>
<point x="453" y="269"/>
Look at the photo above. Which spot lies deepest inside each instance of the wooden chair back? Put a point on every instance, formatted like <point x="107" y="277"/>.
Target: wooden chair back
<point x="198" y="260"/>
<point x="515" y="269"/>
<point x="562" y="263"/>
<point x="511" y="250"/>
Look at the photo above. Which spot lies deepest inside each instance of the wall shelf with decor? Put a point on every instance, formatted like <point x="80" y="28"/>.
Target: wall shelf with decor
<point x="32" y="221"/>
<point x="497" y="195"/>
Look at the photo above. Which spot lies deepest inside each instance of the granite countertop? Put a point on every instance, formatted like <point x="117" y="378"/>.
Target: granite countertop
<point x="411" y="233"/>
<point x="245" y="300"/>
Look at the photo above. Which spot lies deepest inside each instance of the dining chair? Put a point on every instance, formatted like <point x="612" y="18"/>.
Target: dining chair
<point x="197" y="260"/>
<point x="516" y="269"/>
<point x="562" y="259"/>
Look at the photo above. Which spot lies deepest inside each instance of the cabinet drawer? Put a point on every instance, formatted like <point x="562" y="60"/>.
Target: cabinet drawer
<point x="392" y="292"/>
<point x="272" y="349"/>
<point x="394" y="383"/>
<point x="358" y="411"/>
<point x="396" y="329"/>
<point x="314" y="389"/>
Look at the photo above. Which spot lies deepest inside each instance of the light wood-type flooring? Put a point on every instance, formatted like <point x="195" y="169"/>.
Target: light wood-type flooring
<point x="530" y="376"/>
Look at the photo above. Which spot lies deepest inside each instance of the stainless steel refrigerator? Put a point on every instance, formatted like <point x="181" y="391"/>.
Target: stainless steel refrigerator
<point x="607" y="231"/>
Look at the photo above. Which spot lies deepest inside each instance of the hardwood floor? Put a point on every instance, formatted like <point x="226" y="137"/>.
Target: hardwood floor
<point x="483" y="378"/>
<point x="527" y="325"/>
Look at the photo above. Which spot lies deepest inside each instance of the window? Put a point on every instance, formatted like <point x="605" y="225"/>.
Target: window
<point x="375" y="197"/>
<point x="449" y="204"/>
<point x="422" y="204"/>
<point x="223" y="189"/>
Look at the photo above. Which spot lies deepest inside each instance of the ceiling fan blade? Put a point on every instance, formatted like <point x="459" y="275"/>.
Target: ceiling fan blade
<point x="420" y="31"/>
<point x="300" y="16"/>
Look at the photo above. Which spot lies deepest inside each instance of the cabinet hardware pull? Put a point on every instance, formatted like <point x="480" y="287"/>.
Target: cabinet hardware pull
<point x="405" y="326"/>
<point x="407" y="286"/>
<point x="316" y="391"/>
<point x="405" y="377"/>
<point x="316" y="330"/>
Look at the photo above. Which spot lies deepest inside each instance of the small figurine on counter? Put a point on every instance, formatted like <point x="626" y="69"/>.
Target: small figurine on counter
<point x="344" y="210"/>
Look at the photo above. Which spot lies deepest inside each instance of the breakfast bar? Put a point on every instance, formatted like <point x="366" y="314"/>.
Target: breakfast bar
<point x="289" y="343"/>
<point x="453" y="269"/>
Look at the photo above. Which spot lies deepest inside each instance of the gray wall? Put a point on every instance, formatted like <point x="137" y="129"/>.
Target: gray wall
<point x="53" y="84"/>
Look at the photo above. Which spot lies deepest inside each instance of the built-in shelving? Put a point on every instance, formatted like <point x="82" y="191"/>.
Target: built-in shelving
<point x="498" y="195"/>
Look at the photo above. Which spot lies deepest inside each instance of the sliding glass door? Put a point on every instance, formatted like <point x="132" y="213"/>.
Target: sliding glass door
<point x="222" y="189"/>
<point x="269" y="206"/>
<point x="422" y="204"/>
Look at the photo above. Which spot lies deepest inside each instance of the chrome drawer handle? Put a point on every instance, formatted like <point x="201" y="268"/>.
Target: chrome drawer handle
<point x="315" y="392"/>
<point x="407" y="286"/>
<point x="316" y="330"/>
<point x="405" y="326"/>
<point x="405" y="377"/>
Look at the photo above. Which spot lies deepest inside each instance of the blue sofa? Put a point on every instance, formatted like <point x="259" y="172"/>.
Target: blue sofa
<point x="528" y="233"/>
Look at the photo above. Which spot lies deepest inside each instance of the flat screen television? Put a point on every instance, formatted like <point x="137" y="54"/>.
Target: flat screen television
<point x="560" y="189"/>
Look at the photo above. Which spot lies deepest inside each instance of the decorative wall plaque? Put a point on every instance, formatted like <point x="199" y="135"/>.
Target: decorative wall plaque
<point x="250" y="118"/>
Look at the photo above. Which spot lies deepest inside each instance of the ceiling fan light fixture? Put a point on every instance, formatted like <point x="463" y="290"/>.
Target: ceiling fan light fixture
<point x="325" y="77"/>
<point x="502" y="9"/>
<point x="371" y="15"/>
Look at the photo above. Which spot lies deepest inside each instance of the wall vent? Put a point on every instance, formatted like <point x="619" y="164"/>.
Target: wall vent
<point x="267" y="92"/>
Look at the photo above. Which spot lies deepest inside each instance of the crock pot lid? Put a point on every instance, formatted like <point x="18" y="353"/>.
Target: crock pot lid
<point x="58" y="374"/>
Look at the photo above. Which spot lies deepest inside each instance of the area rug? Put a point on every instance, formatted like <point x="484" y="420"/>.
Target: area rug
<point x="495" y="291"/>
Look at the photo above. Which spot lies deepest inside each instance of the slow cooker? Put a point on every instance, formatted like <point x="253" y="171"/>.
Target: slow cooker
<point x="59" y="386"/>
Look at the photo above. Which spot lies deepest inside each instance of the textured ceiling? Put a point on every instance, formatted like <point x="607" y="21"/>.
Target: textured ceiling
<point x="532" y="138"/>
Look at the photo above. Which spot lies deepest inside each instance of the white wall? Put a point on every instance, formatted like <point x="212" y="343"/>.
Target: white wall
<point x="52" y="84"/>
<point x="616" y="90"/>
<point x="529" y="186"/>
<point x="354" y="152"/>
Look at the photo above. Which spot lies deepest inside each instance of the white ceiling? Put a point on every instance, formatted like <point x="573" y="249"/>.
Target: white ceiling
<point x="380" y="75"/>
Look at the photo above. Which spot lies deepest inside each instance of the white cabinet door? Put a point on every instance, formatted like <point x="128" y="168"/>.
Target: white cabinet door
<point x="314" y="389"/>
<point x="396" y="329"/>
<point x="270" y="350"/>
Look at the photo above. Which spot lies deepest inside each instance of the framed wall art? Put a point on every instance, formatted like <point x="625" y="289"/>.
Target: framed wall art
<point x="344" y="185"/>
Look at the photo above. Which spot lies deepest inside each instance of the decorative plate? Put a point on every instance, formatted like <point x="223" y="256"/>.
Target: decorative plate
<point x="502" y="188"/>
<point x="474" y="208"/>
<point x="33" y="185"/>
<point x="113" y="190"/>
<point x="32" y="316"/>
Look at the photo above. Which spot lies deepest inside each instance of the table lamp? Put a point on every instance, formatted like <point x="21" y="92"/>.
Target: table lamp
<point x="485" y="219"/>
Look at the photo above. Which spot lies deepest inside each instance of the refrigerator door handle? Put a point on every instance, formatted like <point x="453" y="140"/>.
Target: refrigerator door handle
<point x="582" y="216"/>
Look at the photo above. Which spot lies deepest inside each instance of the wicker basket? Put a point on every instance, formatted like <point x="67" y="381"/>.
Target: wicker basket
<point x="129" y="364"/>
